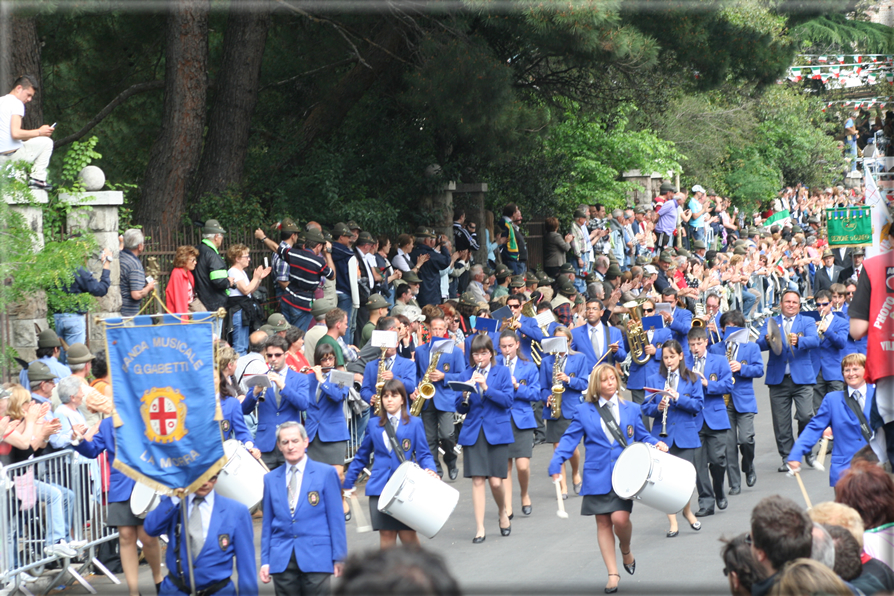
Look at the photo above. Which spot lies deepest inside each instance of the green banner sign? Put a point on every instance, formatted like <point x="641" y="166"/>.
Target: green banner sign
<point x="849" y="226"/>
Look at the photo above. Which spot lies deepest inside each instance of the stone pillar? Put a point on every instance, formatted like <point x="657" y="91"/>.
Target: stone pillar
<point x="473" y="201"/>
<point x="29" y="317"/>
<point x="439" y="210"/>
<point x="101" y="220"/>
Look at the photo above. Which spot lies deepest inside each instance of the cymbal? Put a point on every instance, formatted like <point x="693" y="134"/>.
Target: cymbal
<point x="774" y="336"/>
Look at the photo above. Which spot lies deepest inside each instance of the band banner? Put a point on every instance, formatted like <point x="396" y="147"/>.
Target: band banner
<point x="849" y="226"/>
<point x="162" y="373"/>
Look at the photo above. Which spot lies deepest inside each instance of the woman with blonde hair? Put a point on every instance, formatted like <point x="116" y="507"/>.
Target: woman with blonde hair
<point x="806" y="576"/>
<point x="243" y="317"/>
<point x="602" y="444"/>
<point x="180" y="293"/>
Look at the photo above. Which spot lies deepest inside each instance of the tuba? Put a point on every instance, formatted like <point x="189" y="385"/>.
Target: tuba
<point x="426" y="388"/>
<point x="380" y="383"/>
<point x="635" y="333"/>
<point x="558" y="388"/>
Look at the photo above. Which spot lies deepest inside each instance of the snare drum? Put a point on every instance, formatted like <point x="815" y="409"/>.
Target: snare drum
<point x="417" y="499"/>
<point x="657" y="479"/>
<point x="242" y="478"/>
<point x="143" y="500"/>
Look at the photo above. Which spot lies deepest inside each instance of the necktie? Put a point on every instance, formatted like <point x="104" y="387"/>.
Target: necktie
<point x="293" y="489"/>
<point x="859" y="397"/>
<point x="594" y="339"/>
<point x="512" y="366"/>
<point x="700" y="366"/>
<point x="196" y="534"/>
<point x="389" y="363"/>
<point x="787" y="325"/>
<point x="607" y="406"/>
<point x="672" y="381"/>
<point x="276" y="393"/>
<point x="394" y="422"/>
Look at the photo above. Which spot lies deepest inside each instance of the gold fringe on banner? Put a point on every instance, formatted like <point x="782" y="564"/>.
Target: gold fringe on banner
<point x="166" y="490"/>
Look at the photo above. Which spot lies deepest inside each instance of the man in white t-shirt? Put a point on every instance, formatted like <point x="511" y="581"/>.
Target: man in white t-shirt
<point x="17" y="144"/>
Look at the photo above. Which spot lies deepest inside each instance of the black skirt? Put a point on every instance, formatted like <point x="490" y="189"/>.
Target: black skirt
<point x="327" y="453"/>
<point x="555" y="429"/>
<point x="484" y="459"/>
<point x="523" y="444"/>
<point x="604" y="504"/>
<point x="119" y="514"/>
<point x="383" y="521"/>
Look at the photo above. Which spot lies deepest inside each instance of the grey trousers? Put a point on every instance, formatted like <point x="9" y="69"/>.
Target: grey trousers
<point x="540" y="431"/>
<point x="782" y="397"/>
<point x="439" y="431"/>
<point x="739" y="439"/>
<point x="710" y="466"/>
<point x="823" y="387"/>
<point x="294" y="582"/>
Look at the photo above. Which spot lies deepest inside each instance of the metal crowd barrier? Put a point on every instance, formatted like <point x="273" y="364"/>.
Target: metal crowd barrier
<point x="44" y="500"/>
<point x="354" y="438"/>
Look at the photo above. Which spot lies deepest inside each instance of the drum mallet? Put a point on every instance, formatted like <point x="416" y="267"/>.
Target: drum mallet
<point x="803" y="489"/>
<point x="362" y="524"/>
<point x="821" y="456"/>
<point x="561" y="512"/>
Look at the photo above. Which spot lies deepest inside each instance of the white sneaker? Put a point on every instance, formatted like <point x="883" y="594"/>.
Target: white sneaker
<point x="60" y="550"/>
<point x="28" y="578"/>
<point x="76" y="544"/>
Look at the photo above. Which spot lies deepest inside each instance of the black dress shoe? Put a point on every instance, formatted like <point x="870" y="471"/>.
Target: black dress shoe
<point x="478" y="539"/>
<point x="810" y="459"/>
<point x="506" y="531"/>
<point x="722" y="503"/>
<point x="526" y="509"/>
<point x="348" y="516"/>
<point x="735" y="491"/>
<point x="750" y="478"/>
<point x="704" y="512"/>
<point x="696" y="526"/>
<point x="672" y="533"/>
<point x="453" y="472"/>
<point x="782" y="468"/>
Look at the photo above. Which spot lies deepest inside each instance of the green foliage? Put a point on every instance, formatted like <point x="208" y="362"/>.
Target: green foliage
<point x="750" y="179"/>
<point x="233" y="208"/>
<point x="835" y="33"/>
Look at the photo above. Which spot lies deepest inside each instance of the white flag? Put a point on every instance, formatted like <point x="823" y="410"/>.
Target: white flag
<point x="881" y="220"/>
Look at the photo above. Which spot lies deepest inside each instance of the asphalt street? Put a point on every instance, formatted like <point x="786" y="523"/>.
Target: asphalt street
<point x="548" y="555"/>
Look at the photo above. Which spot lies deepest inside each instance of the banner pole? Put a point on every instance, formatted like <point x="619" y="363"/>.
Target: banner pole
<point x="185" y="523"/>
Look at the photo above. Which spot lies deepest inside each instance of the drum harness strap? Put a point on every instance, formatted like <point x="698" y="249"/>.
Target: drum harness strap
<point x="611" y="424"/>
<point x="394" y="444"/>
<point x="179" y="583"/>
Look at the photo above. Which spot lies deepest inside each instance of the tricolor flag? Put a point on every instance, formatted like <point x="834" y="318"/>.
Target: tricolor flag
<point x="779" y="218"/>
<point x="881" y="219"/>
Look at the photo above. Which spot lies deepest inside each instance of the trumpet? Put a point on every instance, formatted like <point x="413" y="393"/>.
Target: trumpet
<point x="730" y="347"/>
<point x="823" y="325"/>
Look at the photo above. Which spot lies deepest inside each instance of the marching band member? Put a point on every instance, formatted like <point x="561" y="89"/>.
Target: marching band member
<point x="638" y="373"/>
<point x="595" y="339"/>
<point x="284" y="401"/>
<point x="221" y="534"/>
<point x="410" y="434"/>
<point x="712" y="318"/>
<point x="437" y="415"/>
<point x="527" y="328"/>
<point x="571" y="374"/>
<point x="603" y="447"/>
<point x="790" y="375"/>
<point x="233" y="425"/>
<point x="679" y="320"/>
<point x="712" y="422"/>
<point x="487" y="431"/>
<point x="683" y="403"/>
<point x="840" y="412"/>
<point x="303" y="540"/>
<point x="526" y="388"/>
<point x="99" y="438"/>
<point x="396" y="367"/>
<point x="327" y="429"/>
<point x="746" y="364"/>
<point x="833" y="331"/>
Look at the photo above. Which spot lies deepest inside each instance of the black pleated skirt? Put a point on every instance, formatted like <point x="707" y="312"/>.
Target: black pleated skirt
<point x="484" y="459"/>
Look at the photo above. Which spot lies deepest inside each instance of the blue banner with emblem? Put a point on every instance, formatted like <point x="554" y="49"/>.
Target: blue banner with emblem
<point x="167" y="430"/>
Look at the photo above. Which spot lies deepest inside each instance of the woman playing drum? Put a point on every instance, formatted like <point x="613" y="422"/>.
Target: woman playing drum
<point x="410" y="434"/>
<point x="599" y="499"/>
<point x="486" y="432"/>
<point x="233" y="424"/>
<point x="683" y="401"/>
<point x="526" y="388"/>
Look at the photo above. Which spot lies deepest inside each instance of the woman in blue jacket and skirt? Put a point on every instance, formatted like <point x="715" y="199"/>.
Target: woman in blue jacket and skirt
<point x="683" y="402"/>
<point x="487" y="432"/>
<point x="602" y="451"/>
<point x="410" y="434"/>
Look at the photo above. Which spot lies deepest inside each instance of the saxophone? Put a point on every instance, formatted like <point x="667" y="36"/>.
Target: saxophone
<point x="426" y="388"/>
<point x="558" y="388"/>
<point x="380" y="383"/>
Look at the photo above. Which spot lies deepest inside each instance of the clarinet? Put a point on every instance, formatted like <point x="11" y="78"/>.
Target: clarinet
<point x="666" y="401"/>
<point x="466" y="394"/>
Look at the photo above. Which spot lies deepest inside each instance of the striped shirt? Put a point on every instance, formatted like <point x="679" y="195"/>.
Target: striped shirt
<point x="132" y="279"/>
<point x="305" y="271"/>
<point x="280" y="267"/>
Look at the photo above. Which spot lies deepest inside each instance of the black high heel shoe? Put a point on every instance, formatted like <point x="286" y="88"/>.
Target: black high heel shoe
<point x="615" y="589"/>
<point x="478" y="539"/>
<point x="631" y="569"/>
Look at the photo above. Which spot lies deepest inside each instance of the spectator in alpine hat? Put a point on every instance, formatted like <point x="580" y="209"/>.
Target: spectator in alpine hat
<point x="288" y="234"/>
<point x="48" y="349"/>
<point x="212" y="281"/>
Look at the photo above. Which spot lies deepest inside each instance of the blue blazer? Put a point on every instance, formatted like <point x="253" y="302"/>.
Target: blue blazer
<point x="577" y="369"/>
<point x="404" y="370"/>
<point x="454" y="363"/>
<point x="233" y="425"/>
<point x="638" y="373"/>
<point x="528" y="333"/>
<point x="601" y="454"/>
<point x="828" y="357"/>
<point x="798" y="358"/>
<point x="682" y="415"/>
<point x="854" y="346"/>
<point x="315" y="533"/>
<point x="326" y="417"/>
<point x="720" y="381"/>
<point x="749" y="356"/>
<point x="294" y="400"/>
<point x="528" y="377"/>
<point x="120" y="486"/>
<point x="845" y="426"/>
<point x="580" y="342"/>
<point x="411" y="438"/>
<point x="680" y="327"/>
<point x="467" y="343"/>
<point x="489" y="411"/>
<point x="230" y="535"/>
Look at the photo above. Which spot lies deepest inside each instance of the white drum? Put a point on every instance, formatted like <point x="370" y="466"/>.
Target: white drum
<point x="660" y="480"/>
<point x="417" y="499"/>
<point x="242" y="477"/>
<point x="143" y="500"/>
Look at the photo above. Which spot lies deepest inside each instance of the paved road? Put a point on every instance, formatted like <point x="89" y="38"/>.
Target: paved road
<point x="548" y="555"/>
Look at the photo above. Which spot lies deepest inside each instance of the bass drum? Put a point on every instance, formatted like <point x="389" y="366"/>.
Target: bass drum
<point x="417" y="499"/>
<point x="660" y="480"/>
<point x="242" y="477"/>
<point x="143" y="500"/>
